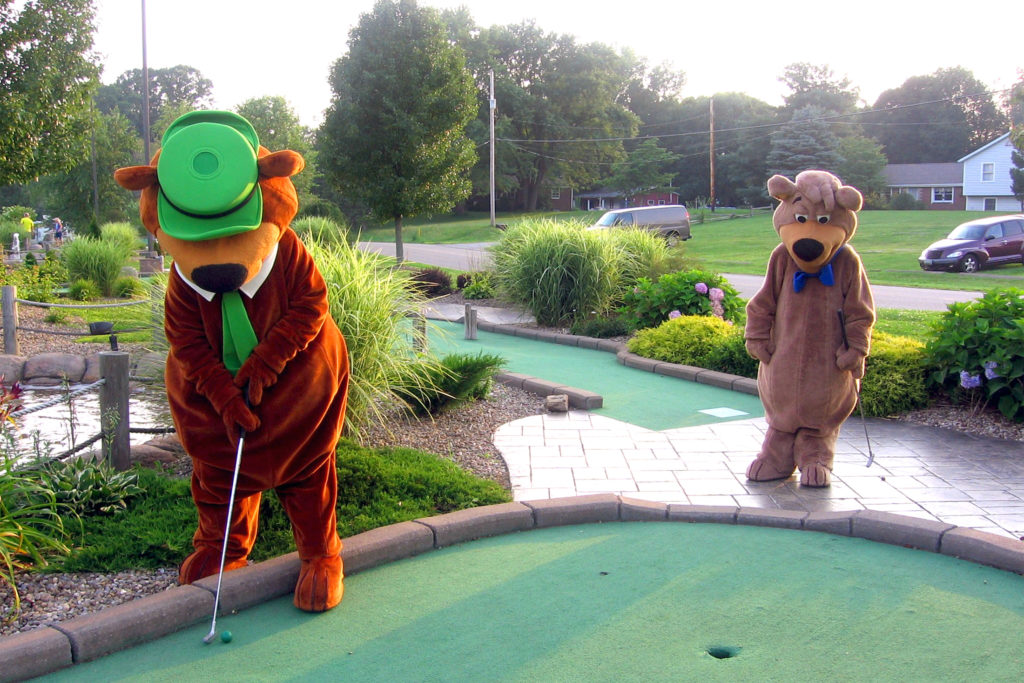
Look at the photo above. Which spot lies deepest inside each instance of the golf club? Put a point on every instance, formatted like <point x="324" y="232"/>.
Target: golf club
<point x="863" y="420"/>
<point x="227" y="528"/>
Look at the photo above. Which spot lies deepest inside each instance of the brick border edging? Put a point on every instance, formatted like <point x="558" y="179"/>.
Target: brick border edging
<point x="57" y="646"/>
<point x="588" y="400"/>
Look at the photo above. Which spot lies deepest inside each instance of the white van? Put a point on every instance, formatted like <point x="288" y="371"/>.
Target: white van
<point x="671" y="221"/>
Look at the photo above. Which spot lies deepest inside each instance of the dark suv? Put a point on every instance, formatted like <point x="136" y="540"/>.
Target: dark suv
<point x="977" y="244"/>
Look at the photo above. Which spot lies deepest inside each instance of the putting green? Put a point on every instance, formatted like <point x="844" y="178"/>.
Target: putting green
<point x="627" y="391"/>
<point x="624" y="601"/>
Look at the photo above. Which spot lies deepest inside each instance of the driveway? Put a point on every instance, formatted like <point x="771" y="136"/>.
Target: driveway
<point x="476" y="257"/>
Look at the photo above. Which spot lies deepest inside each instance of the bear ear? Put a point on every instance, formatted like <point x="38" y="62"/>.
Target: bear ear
<point x="136" y="177"/>
<point x="781" y="188"/>
<point x="283" y="164"/>
<point x="849" y="198"/>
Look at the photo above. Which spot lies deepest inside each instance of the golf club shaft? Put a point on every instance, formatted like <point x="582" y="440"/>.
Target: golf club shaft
<point x="227" y="530"/>
<point x="863" y="420"/>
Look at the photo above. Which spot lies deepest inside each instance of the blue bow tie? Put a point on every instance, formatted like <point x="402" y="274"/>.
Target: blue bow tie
<point x="824" y="275"/>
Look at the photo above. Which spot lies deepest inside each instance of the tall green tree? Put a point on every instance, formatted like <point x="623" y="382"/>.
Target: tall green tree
<point x="816" y="85"/>
<point x="88" y="192"/>
<point x="1016" y="102"/>
<point x="805" y="143"/>
<point x="179" y="86"/>
<point x="935" y="118"/>
<point x="862" y="164"/>
<point x="279" y="128"/>
<point x="47" y="77"/>
<point x="646" y="169"/>
<point x="394" y="135"/>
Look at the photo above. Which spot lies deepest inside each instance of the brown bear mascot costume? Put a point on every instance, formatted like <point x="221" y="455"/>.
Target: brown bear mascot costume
<point x="252" y="346"/>
<point x="815" y="286"/>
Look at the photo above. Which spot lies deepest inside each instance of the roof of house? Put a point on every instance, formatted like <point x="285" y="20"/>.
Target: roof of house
<point x="924" y="175"/>
<point x="984" y="147"/>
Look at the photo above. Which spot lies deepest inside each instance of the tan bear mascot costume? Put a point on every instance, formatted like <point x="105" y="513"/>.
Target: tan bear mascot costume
<point x="252" y="346"/>
<point x="810" y="367"/>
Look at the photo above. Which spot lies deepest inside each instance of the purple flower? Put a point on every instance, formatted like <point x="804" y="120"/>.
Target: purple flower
<point x="715" y="294"/>
<point x="969" y="381"/>
<point x="990" y="370"/>
<point x="701" y="288"/>
<point x="674" y="314"/>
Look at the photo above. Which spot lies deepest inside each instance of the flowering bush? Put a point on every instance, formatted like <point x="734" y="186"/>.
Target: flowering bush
<point x="978" y="349"/>
<point x="690" y="292"/>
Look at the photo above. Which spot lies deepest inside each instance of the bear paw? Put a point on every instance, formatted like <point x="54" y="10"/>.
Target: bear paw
<point x="205" y="562"/>
<point x="763" y="469"/>
<point x="321" y="584"/>
<point x="815" y="476"/>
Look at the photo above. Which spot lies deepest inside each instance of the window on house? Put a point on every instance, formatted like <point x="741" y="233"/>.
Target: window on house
<point x="942" y="195"/>
<point x="988" y="172"/>
<point x="650" y="202"/>
<point x="556" y="193"/>
<point x="661" y="202"/>
<point x="990" y="204"/>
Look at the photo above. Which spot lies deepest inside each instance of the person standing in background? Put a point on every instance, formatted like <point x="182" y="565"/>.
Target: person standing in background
<point x="58" y="232"/>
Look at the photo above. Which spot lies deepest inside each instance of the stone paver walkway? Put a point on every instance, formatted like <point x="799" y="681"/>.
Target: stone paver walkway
<point x="919" y="471"/>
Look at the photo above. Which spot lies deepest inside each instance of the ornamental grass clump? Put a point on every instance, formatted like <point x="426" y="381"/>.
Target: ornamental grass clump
<point x="98" y="260"/>
<point x="976" y="352"/>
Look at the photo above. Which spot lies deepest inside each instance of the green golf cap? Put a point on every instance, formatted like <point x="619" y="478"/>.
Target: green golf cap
<point x="208" y="177"/>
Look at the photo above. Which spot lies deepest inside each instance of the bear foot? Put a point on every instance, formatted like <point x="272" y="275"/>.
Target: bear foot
<point x="764" y="470"/>
<point x="205" y="562"/>
<point x="815" y="476"/>
<point x="321" y="584"/>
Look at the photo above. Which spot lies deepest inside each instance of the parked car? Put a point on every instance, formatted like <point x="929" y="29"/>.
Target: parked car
<point x="671" y="221"/>
<point x="978" y="244"/>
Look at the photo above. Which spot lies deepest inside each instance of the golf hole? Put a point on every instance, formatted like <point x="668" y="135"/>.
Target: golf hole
<point x="723" y="651"/>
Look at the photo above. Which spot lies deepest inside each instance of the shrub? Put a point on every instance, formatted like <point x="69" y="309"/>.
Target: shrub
<point x="83" y="290"/>
<point x="463" y="280"/>
<point x="650" y="303"/>
<point x="432" y="282"/>
<point x="127" y="287"/>
<point x="600" y="327"/>
<point x="642" y="253"/>
<point x="977" y="348"/>
<point x="123" y="234"/>
<point x="90" y="487"/>
<point x="97" y="260"/>
<point x="459" y="377"/>
<point x="686" y="340"/>
<point x="730" y="355"/>
<point x="905" y="202"/>
<point x="37" y="282"/>
<point x="480" y="287"/>
<point x="321" y="229"/>
<point x="56" y="316"/>
<point x="373" y="304"/>
<point x="894" y="376"/>
<point x="555" y="270"/>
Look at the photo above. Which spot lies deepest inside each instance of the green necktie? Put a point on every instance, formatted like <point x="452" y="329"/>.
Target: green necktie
<point x="239" y="337"/>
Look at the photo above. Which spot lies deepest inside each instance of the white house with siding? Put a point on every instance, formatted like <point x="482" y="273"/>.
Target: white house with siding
<point x="987" y="177"/>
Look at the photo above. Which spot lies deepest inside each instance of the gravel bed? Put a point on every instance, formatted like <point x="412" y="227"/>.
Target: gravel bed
<point x="462" y="435"/>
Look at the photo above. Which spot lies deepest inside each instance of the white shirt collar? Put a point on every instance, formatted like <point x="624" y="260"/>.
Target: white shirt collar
<point x="249" y="288"/>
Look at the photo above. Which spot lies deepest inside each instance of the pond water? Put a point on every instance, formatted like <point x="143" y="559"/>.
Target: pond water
<point x="58" y="428"/>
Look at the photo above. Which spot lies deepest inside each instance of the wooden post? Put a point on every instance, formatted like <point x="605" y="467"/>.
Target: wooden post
<point x="114" y="408"/>
<point x="470" y="322"/>
<point x="10" y="306"/>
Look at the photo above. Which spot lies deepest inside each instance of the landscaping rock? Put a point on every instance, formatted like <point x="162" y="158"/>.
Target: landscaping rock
<point x="556" y="403"/>
<point x="53" y="369"/>
<point x="10" y="368"/>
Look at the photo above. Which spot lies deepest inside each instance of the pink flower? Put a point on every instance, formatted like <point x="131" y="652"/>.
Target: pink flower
<point x="674" y="314"/>
<point x="701" y="288"/>
<point x="716" y="294"/>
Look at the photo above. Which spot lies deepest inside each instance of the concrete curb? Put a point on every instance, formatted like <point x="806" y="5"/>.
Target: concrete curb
<point x="57" y="646"/>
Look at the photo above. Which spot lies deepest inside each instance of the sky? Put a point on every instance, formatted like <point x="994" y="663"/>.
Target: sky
<point x="256" y="48"/>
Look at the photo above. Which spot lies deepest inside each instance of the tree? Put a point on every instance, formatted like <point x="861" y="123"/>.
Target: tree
<point x="1017" y="137"/>
<point x="644" y="170"/>
<point x="178" y="85"/>
<point x="394" y="135"/>
<point x="46" y="81"/>
<point x="862" y="164"/>
<point x="278" y="127"/>
<point x="815" y="85"/>
<point x="935" y="118"/>
<point x="75" y="194"/>
<point x="805" y="143"/>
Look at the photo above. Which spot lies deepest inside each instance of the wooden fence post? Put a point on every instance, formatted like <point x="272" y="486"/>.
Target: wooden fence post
<point x="470" y="322"/>
<point x="114" y="408"/>
<point x="10" y="306"/>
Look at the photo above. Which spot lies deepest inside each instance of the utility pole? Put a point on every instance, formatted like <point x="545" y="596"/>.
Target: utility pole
<point x="492" y="103"/>
<point x="711" y="197"/>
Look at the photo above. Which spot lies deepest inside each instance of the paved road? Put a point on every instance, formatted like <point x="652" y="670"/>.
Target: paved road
<point x="476" y="257"/>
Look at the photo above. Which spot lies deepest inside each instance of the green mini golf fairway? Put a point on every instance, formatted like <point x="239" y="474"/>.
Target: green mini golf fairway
<point x="624" y="601"/>
<point x="627" y="391"/>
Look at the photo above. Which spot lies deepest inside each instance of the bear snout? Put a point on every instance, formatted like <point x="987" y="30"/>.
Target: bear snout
<point x="220" y="277"/>
<point x="807" y="249"/>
